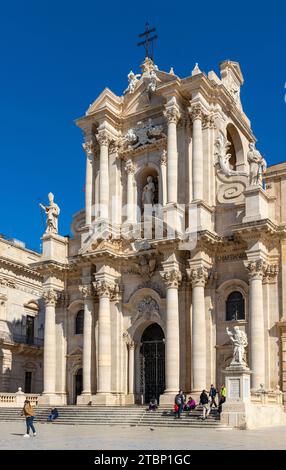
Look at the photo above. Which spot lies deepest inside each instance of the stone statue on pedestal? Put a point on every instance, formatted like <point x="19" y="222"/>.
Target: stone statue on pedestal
<point x="52" y="211"/>
<point x="148" y="192"/>
<point x="257" y="165"/>
<point x="132" y="81"/>
<point x="239" y="339"/>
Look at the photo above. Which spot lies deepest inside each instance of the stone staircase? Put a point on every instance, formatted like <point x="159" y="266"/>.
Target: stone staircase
<point x="117" y="416"/>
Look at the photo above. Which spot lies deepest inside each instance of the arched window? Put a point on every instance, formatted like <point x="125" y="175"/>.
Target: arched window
<point x="235" y="307"/>
<point x="79" y="323"/>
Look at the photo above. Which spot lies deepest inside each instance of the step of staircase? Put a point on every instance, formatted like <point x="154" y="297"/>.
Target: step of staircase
<point x="118" y="416"/>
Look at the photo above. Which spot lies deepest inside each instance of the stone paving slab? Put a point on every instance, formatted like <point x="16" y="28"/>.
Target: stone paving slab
<point x="50" y="436"/>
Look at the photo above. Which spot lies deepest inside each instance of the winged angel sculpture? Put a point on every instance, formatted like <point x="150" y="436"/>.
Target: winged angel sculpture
<point x="222" y="146"/>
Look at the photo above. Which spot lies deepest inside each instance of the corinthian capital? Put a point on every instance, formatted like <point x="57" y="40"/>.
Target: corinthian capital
<point x="172" y="114"/>
<point x="88" y="147"/>
<point x="86" y="290"/>
<point x="50" y="297"/>
<point x="196" y="112"/>
<point x="103" y="138"/>
<point x="208" y="121"/>
<point x="271" y="273"/>
<point x="128" y="340"/>
<point x="198" y="276"/>
<point x="256" y="269"/>
<point x="172" y="278"/>
<point x="104" y="288"/>
<point x="129" y="167"/>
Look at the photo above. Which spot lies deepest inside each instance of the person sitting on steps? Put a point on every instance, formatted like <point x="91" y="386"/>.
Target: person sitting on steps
<point x="153" y="405"/>
<point x="53" y="415"/>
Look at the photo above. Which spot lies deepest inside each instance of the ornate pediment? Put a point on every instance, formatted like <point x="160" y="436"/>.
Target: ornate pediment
<point x="107" y="99"/>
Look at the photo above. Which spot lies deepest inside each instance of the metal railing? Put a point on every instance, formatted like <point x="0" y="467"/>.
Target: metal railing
<point x="23" y="339"/>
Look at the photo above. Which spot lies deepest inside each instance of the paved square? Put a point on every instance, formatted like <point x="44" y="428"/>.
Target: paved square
<point x="55" y="436"/>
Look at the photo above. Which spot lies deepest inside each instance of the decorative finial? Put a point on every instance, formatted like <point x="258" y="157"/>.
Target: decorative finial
<point x="196" y="70"/>
<point x="172" y="71"/>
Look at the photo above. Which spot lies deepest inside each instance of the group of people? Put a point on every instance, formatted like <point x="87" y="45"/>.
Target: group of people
<point x="207" y="400"/>
<point x="28" y="413"/>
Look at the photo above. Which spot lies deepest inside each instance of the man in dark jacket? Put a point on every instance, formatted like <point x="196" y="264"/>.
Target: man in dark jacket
<point x="204" y="400"/>
<point x="213" y="393"/>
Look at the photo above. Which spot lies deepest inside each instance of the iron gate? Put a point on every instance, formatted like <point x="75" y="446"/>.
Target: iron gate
<point x="153" y="365"/>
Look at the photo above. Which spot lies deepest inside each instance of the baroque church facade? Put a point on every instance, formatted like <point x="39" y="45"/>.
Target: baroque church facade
<point x="182" y="237"/>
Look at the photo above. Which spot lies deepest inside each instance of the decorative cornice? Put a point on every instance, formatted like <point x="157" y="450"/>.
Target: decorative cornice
<point x="172" y="278"/>
<point x="7" y="282"/>
<point x="47" y="267"/>
<point x="18" y="267"/>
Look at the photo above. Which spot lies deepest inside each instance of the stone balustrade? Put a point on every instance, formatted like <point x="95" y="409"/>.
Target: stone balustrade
<point x="7" y="399"/>
<point x="263" y="397"/>
<point x="10" y="399"/>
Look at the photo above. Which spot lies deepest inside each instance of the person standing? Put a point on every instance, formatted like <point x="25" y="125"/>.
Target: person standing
<point x="29" y="414"/>
<point x="179" y="403"/>
<point x="204" y="400"/>
<point x="213" y="393"/>
<point x="222" y="398"/>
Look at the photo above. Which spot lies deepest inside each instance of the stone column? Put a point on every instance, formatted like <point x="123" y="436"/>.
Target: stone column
<point x="172" y="115"/>
<point x="131" y="368"/>
<point x="130" y="169"/>
<point x="197" y="151"/>
<point x="256" y="270"/>
<point x="198" y="277"/>
<point x="163" y="164"/>
<point x="172" y="343"/>
<point x="104" y="289"/>
<point x="89" y="149"/>
<point x="86" y="291"/>
<point x="103" y="140"/>
<point x="50" y="299"/>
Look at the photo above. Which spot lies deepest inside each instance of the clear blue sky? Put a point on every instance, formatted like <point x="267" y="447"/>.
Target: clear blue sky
<point x="57" y="56"/>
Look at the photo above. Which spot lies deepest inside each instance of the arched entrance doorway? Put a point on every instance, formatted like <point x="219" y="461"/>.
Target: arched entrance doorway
<point x="78" y="384"/>
<point x="152" y="353"/>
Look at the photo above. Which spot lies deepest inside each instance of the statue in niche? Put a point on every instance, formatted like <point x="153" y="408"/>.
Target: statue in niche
<point x="222" y="146"/>
<point x="257" y="166"/>
<point x="148" y="194"/>
<point x="52" y="211"/>
<point x="239" y="339"/>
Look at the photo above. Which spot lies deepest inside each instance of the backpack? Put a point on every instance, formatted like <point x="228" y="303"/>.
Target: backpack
<point x="178" y="400"/>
